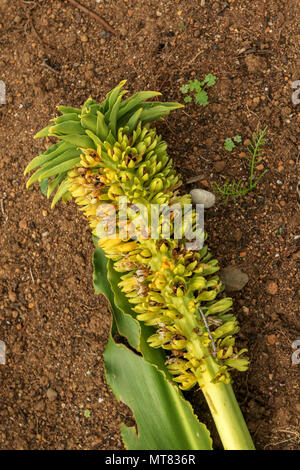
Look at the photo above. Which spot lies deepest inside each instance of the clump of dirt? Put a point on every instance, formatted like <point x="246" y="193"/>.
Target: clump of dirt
<point x="54" y="327"/>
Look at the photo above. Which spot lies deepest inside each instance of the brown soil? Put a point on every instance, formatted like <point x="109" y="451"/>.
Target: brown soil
<point x="54" y="327"/>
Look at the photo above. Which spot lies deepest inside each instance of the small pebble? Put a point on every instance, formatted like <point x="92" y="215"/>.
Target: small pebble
<point x="219" y="166"/>
<point x="233" y="278"/>
<point x="201" y="196"/>
<point x="51" y="394"/>
<point x="271" y="339"/>
<point x="271" y="287"/>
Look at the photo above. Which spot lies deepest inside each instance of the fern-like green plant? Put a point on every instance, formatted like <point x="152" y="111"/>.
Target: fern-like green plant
<point x="233" y="188"/>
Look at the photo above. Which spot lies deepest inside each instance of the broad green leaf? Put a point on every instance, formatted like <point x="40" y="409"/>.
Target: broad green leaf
<point x="165" y="420"/>
<point x="102" y="129"/>
<point x="126" y="325"/>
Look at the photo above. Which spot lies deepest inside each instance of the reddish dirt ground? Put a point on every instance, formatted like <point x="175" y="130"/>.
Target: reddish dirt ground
<point x="54" y="326"/>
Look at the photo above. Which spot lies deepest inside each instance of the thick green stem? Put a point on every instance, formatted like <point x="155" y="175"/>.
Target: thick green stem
<point x="220" y="397"/>
<point x="226" y="412"/>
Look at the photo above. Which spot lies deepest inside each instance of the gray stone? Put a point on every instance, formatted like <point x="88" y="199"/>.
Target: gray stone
<point x="233" y="278"/>
<point x="200" y="196"/>
<point x="51" y="394"/>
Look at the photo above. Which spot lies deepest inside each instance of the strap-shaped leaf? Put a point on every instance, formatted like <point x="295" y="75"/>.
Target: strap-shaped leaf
<point x="62" y="167"/>
<point x="102" y="129"/>
<point x="43" y="132"/>
<point x="66" y="128"/>
<point x="48" y="156"/>
<point x="165" y="420"/>
<point x="134" y="119"/>
<point x="114" y="115"/>
<point x="55" y="165"/>
<point x="158" y="112"/>
<point x="66" y="117"/>
<point x="113" y="97"/>
<point x="126" y="325"/>
<point x="63" y="189"/>
<point x="135" y="100"/>
<point x="54" y="183"/>
<point x="81" y="141"/>
<point x="89" y="121"/>
<point x="68" y="109"/>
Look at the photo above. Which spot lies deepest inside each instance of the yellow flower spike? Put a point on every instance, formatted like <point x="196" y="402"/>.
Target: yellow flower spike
<point x="136" y="165"/>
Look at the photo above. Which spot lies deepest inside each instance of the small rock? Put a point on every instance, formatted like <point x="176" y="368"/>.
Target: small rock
<point x="23" y="224"/>
<point x="245" y="310"/>
<point x="89" y="74"/>
<point x="219" y="166"/>
<point x="271" y="339"/>
<point x="235" y="235"/>
<point x="12" y="296"/>
<point x="233" y="278"/>
<point x="15" y="314"/>
<point x="271" y="287"/>
<point x="84" y="38"/>
<point x="51" y="394"/>
<point x="201" y="196"/>
<point x="51" y="84"/>
<point x="285" y="111"/>
<point x="39" y="406"/>
<point x="260" y="167"/>
<point x="238" y="235"/>
<point x="255" y="64"/>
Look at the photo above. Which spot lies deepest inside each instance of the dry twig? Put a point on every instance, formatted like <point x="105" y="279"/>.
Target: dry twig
<point x="94" y="15"/>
